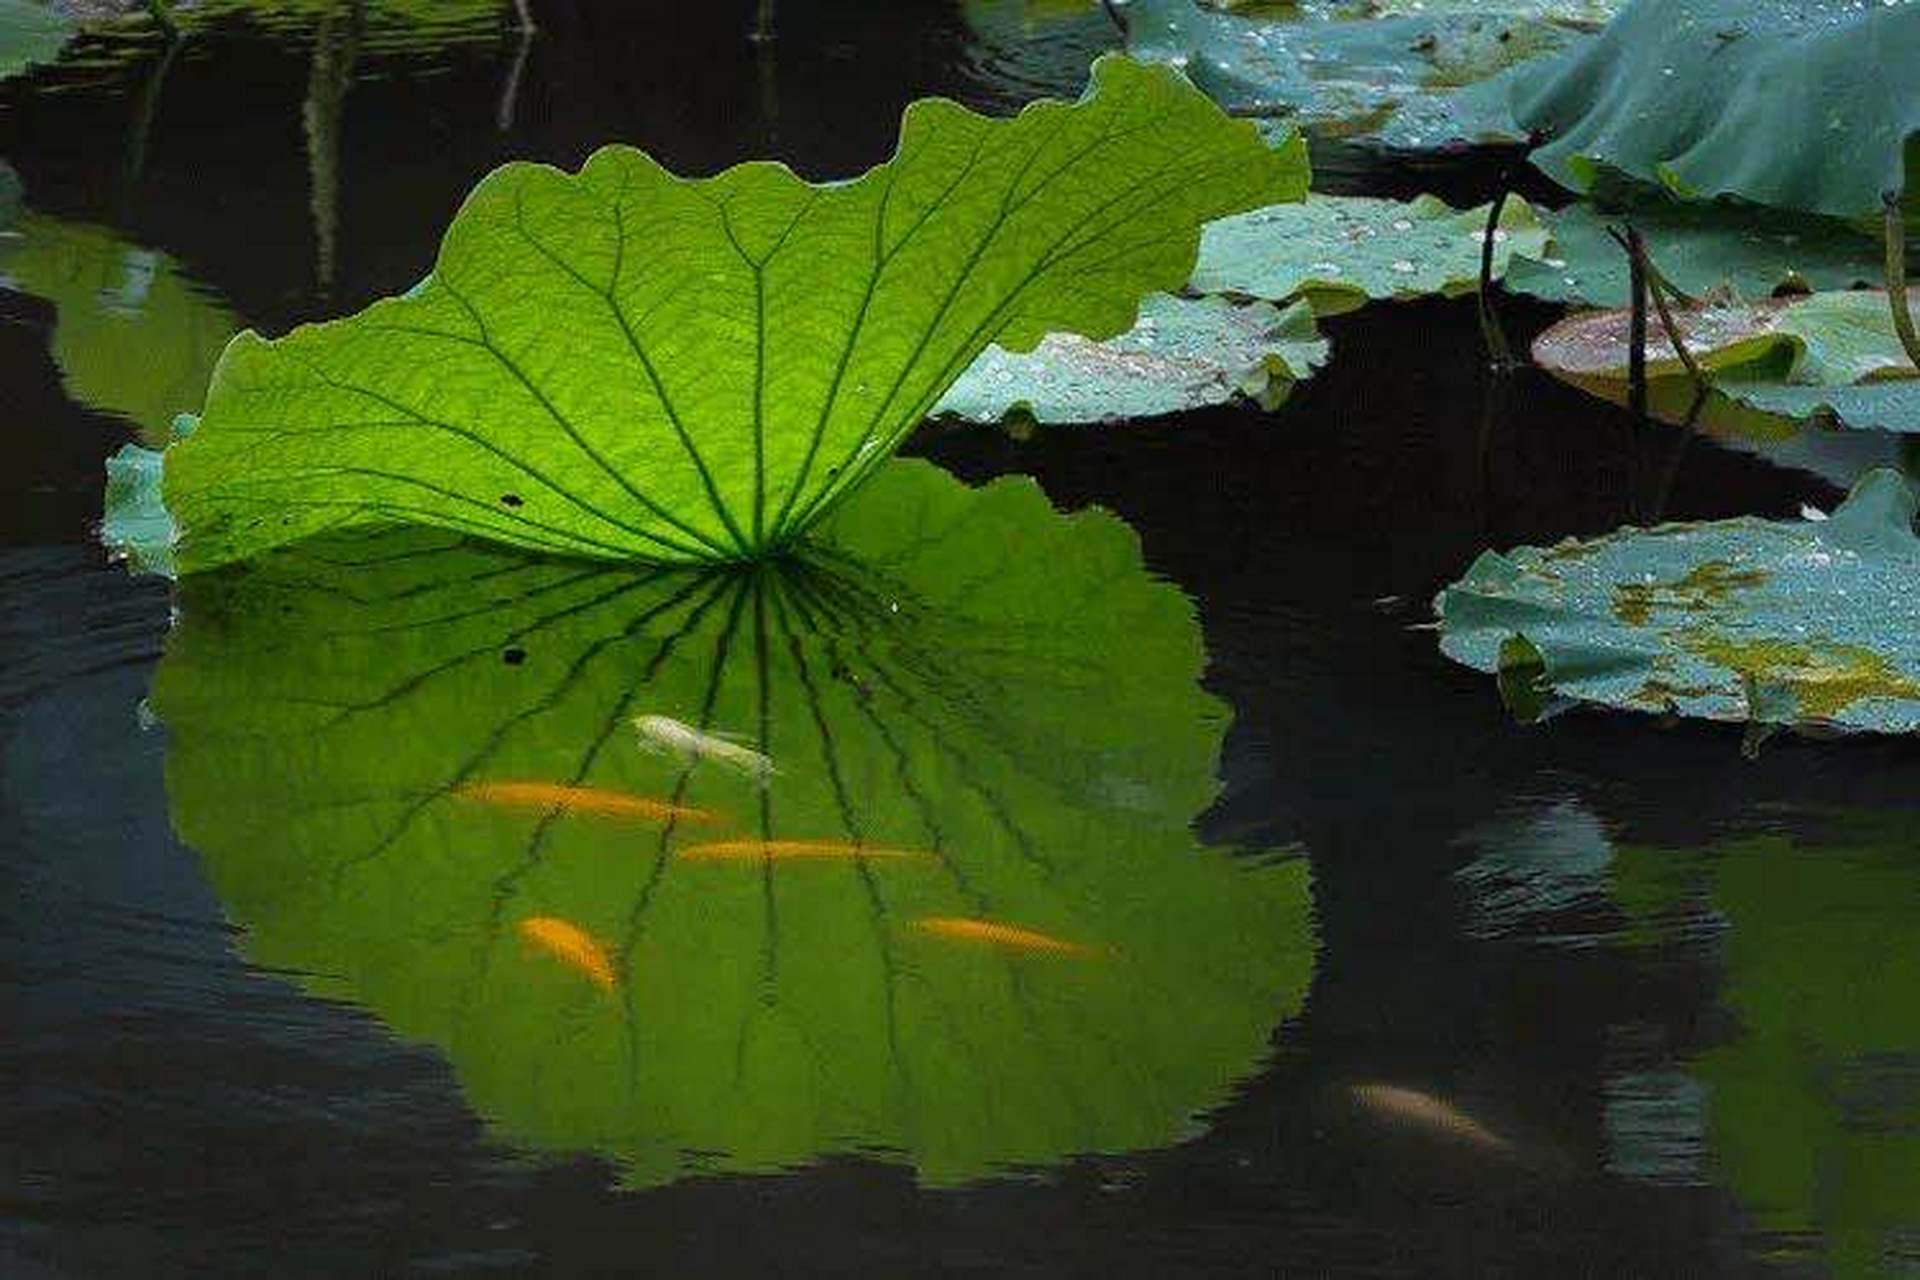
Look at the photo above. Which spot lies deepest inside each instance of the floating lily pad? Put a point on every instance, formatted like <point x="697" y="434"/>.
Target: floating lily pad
<point x="1184" y="353"/>
<point x="1812" y="622"/>
<point x="1338" y="252"/>
<point x="1700" y="248"/>
<point x="1407" y="81"/>
<point x="135" y="335"/>
<point x="974" y="709"/>
<point x="1812" y="1092"/>
<point x="1831" y="355"/>
<point x="678" y="370"/>
<point x="1797" y="104"/>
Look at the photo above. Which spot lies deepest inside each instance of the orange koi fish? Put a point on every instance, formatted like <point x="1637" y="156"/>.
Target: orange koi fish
<point x="583" y="800"/>
<point x="571" y="945"/>
<point x="994" y="934"/>
<point x="1423" y="1111"/>
<point x="777" y="850"/>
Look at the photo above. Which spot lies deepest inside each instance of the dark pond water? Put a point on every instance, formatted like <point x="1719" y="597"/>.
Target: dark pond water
<point x="1348" y="974"/>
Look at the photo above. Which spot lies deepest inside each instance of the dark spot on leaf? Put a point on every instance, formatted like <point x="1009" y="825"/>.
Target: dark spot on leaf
<point x="513" y="655"/>
<point x="511" y="500"/>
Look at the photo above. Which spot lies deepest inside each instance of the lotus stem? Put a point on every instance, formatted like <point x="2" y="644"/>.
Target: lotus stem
<point x="1896" y="231"/>
<point x="1648" y="277"/>
<point x="1636" y="324"/>
<point x="1114" y="15"/>
<point x="1499" y="352"/>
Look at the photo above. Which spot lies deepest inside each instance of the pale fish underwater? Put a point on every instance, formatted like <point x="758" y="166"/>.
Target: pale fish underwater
<point x="674" y="737"/>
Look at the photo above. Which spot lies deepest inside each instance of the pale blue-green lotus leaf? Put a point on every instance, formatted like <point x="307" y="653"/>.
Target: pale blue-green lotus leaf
<point x="966" y="706"/>
<point x="1699" y="248"/>
<point x="1183" y="353"/>
<point x="1804" y="623"/>
<point x="1798" y="104"/>
<point x="1340" y="251"/>
<point x="1344" y="71"/>
<point x="31" y="32"/>
<point x="137" y="526"/>
<point x="1892" y="405"/>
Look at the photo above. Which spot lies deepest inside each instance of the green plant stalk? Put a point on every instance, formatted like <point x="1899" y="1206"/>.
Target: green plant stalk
<point x="1896" y="234"/>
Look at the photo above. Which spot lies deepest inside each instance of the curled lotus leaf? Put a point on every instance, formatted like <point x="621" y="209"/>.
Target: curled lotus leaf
<point x="1808" y="105"/>
<point x="1183" y="353"/>
<point x="625" y="364"/>
<point x="1831" y="355"/>
<point x="1807" y="623"/>
<point x="883" y="849"/>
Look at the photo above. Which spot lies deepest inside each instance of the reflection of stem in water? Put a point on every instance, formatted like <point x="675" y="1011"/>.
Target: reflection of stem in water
<point x="1661" y="496"/>
<point x="146" y="106"/>
<point x="510" y="91"/>
<point x="336" y="47"/>
<point x="761" y="37"/>
<point x="1493" y="412"/>
<point x="1499" y="351"/>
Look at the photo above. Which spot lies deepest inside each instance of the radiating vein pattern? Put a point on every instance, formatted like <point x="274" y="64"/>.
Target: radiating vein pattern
<point x="978" y="710"/>
<point x="625" y="364"/>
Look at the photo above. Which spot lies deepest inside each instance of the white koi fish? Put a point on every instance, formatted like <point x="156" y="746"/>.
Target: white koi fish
<point x="664" y="733"/>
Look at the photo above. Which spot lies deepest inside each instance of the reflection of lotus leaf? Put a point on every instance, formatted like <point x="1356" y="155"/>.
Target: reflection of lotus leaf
<point x="135" y="337"/>
<point x="960" y="674"/>
<point x="1774" y="622"/>
<point x="29" y="33"/>
<point x="1797" y="104"/>
<point x="1814" y="1106"/>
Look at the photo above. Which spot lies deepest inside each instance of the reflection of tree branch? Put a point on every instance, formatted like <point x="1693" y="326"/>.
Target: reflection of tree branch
<point x="336" y="47"/>
<point x="146" y="106"/>
<point x="510" y="90"/>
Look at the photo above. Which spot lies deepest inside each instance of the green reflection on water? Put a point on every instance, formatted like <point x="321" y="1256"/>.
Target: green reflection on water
<point x="1813" y="1106"/>
<point x="962" y="673"/>
<point x="134" y="336"/>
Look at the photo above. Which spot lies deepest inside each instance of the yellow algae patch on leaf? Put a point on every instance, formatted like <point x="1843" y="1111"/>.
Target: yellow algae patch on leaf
<point x="1705" y="586"/>
<point x="1824" y="679"/>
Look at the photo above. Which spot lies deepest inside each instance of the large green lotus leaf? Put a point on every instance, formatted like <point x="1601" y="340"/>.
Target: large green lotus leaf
<point x="1831" y="355"/>
<point x="1805" y="623"/>
<point x="1700" y="248"/>
<point x="135" y="334"/>
<point x="30" y="32"/>
<point x="1340" y="251"/>
<point x="629" y="365"/>
<point x="1813" y="1104"/>
<point x="1411" y="81"/>
<point x="1797" y="104"/>
<point x="963" y="676"/>
<point x="1183" y="353"/>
